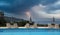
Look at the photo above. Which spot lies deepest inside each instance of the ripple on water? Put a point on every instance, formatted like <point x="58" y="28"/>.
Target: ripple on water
<point x="30" y="30"/>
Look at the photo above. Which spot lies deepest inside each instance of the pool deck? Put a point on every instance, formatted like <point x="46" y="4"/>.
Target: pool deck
<point x="23" y="27"/>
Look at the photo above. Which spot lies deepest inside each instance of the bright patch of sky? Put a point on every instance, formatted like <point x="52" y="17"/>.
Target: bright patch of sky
<point x="41" y="10"/>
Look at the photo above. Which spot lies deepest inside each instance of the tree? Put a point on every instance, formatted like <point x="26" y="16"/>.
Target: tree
<point x="2" y="21"/>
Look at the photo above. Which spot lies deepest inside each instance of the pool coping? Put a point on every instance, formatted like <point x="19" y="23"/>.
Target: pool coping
<point x="23" y="27"/>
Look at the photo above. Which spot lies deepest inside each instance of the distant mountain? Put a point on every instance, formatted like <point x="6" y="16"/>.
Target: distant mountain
<point x="13" y="19"/>
<point x="47" y="22"/>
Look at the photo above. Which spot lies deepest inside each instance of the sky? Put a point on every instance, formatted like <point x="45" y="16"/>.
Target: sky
<point x="39" y="10"/>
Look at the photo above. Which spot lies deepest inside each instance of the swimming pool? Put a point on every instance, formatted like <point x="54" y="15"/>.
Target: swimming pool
<point x="30" y="31"/>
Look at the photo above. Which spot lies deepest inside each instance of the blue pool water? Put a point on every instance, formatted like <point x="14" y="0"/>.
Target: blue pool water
<point x="30" y="31"/>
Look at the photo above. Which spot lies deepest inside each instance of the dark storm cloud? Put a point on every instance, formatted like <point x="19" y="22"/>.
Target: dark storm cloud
<point x="17" y="6"/>
<point x="6" y="5"/>
<point x="20" y="6"/>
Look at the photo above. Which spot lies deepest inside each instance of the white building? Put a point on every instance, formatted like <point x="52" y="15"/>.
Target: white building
<point x="11" y="26"/>
<point x="27" y="25"/>
<point x="53" y="24"/>
<point x="35" y="25"/>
